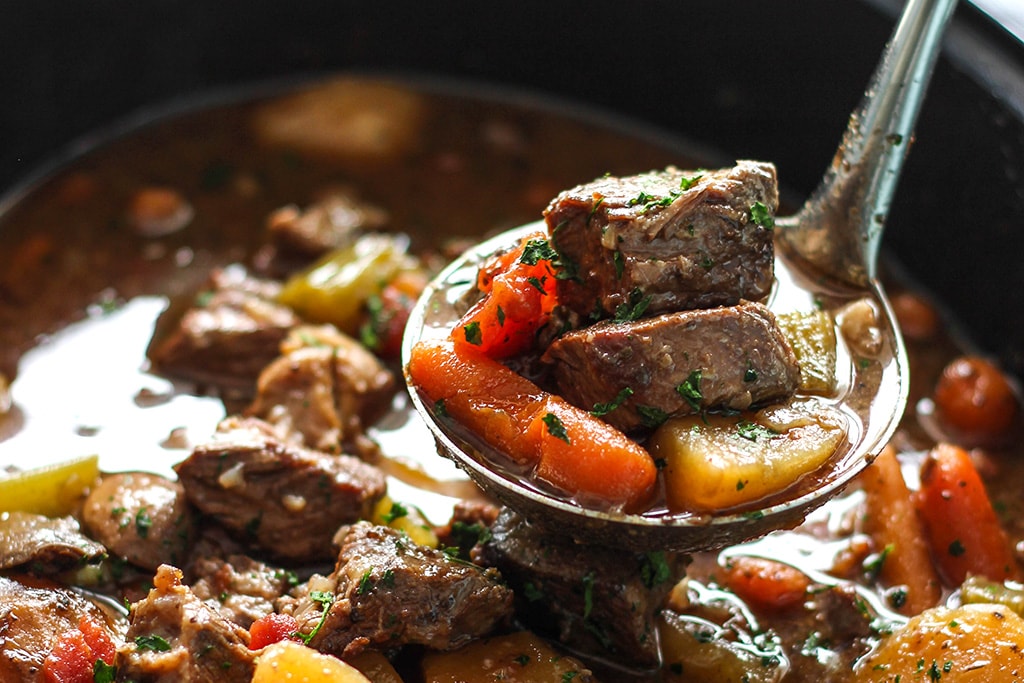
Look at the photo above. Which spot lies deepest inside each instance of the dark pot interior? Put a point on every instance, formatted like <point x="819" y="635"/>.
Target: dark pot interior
<point x="752" y="79"/>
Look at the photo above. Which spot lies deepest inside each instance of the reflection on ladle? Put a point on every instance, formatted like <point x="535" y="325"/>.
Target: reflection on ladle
<point x="826" y="253"/>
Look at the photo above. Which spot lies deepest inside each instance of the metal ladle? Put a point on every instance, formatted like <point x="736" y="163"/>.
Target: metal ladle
<point x="826" y="255"/>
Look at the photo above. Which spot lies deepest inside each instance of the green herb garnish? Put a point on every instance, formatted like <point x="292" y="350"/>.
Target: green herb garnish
<point x="154" y="643"/>
<point x="555" y="427"/>
<point x="601" y="409"/>
<point x="473" y="334"/>
<point x="760" y="214"/>
<point x="690" y="390"/>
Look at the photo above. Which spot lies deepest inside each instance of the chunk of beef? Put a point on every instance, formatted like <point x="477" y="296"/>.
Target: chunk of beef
<point x="229" y="336"/>
<point x="470" y="525"/>
<point x="144" y="518"/>
<point x="332" y="222"/>
<point x="45" y="545"/>
<point x="325" y="388"/>
<point x="596" y="600"/>
<point x="34" y="615"/>
<point x="285" y="499"/>
<point x="676" y="364"/>
<point x="243" y="589"/>
<point x="173" y="636"/>
<point x="666" y="239"/>
<point x="386" y="591"/>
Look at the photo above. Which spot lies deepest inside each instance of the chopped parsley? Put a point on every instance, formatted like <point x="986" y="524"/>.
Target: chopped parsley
<point x="555" y="427"/>
<point x="397" y="511"/>
<point x="601" y="409"/>
<point x="522" y="660"/>
<point x="686" y="182"/>
<point x="752" y="431"/>
<point x="469" y="535"/>
<point x="651" y="416"/>
<point x="365" y="583"/>
<point x="538" y="283"/>
<point x="143" y="523"/>
<point x="440" y="408"/>
<point x="874" y="563"/>
<point x="751" y="374"/>
<point x="501" y="316"/>
<point x="326" y="600"/>
<point x="537" y="250"/>
<point x="956" y="548"/>
<point x="619" y="262"/>
<point x="633" y="309"/>
<point x="103" y="672"/>
<point x="654" y="569"/>
<point x="588" y="594"/>
<point x="532" y="593"/>
<point x="473" y="334"/>
<point x="690" y="390"/>
<point x="760" y="214"/>
<point x="154" y="643"/>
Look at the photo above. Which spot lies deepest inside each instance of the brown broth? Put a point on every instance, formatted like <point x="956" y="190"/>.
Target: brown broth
<point x="80" y="292"/>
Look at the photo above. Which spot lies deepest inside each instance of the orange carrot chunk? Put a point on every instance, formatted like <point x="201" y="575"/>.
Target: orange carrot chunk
<point x="587" y="457"/>
<point x="963" y="530"/>
<point x="570" y="448"/>
<point x="764" y="583"/>
<point x="898" y="534"/>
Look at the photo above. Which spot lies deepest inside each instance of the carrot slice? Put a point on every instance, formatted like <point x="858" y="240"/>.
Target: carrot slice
<point x="570" y="448"/>
<point x="898" y="534"/>
<point x="963" y="529"/>
<point x="768" y="584"/>
<point x="588" y="457"/>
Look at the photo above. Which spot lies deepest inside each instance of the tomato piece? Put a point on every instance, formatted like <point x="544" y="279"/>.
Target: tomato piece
<point x="964" y="532"/>
<point x="70" y="661"/>
<point x="766" y="583"/>
<point x="270" y="629"/>
<point x="98" y="639"/>
<point x="519" y="295"/>
<point x="388" y="314"/>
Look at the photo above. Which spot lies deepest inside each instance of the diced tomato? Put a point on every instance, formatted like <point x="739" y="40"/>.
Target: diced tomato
<point x="76" y="652"/>
<point x="388" y="314"/>
<point x="271" y="629"/>
<point x="98" y="639"/>
<point x="519" y="295"/>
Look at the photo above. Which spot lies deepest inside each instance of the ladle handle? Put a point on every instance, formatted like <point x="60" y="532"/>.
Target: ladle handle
<point x="839" y="229"/>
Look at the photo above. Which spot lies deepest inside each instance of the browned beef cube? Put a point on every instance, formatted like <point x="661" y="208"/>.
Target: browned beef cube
<point x="229" y="336"/>
<point x="45" y="545"/>
<point x="639" y="373"/>
<point x="144" y="518"/>
<point x="286" y="500"/>
<point x="241" y="588"/>
<point x="175" y="636"/>
<point x="386" y="591"/>
<point x="35" y="615"/>
<point x="325" y="389"/>
<point x="665" y="241"/>
<point x="596" y="600"/>
<point x="334" y="221"/>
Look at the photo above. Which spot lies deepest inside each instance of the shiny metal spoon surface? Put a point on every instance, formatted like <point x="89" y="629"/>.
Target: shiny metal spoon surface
<point x="826" y="256"/>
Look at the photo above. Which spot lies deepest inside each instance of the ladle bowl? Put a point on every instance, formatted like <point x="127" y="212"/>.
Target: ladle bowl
<point x="825" y="257"/>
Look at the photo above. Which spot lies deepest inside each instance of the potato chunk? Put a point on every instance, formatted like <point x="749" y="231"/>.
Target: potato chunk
<point x="813" y="338"/>
<point x="970" y="643"/>
<point x="514" y="658"/>
<point x="714" y="462"/>
<point x="289" y="661"/>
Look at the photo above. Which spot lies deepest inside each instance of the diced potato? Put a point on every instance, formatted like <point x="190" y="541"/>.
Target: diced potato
<point x="346" y="120"/>
<point x="52" y="490"/>
<point x="695" y="649"/>
<point x="405" y="518"/>
<point x="813" y="338"/>
<point x="288" y="661"/>
<point x="520" y="657"/>
<point x="376" y="667"/>
<point x="715" y="462"/>
<point x="335" y="288"/>
<point x="968" y="644"/>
